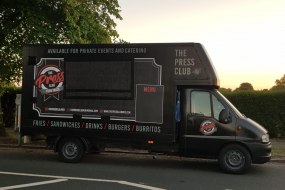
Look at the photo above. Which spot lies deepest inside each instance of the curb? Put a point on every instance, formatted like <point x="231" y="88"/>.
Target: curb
<point x="278" y="159"/>
<point x="23" y="146"/>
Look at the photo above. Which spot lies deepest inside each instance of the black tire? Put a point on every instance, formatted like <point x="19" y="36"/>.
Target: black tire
<point x="71" y="150"/>
<point x="235" y="159"/>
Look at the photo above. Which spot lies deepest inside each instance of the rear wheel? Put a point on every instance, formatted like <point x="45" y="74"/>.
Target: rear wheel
<point x="70" y="150"/>
<point x="235" y="159"/>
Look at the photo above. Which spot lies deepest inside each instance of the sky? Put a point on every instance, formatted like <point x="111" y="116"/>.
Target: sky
<point x="245" y="39"/>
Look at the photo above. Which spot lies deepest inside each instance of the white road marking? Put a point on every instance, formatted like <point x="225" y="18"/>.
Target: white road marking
<point x="85" y="179"/>
<point x="33" y="184"/>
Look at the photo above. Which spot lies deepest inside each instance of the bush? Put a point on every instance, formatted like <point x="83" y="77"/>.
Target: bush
<point x="8" y="105"/>
<point x="265" y="107"/>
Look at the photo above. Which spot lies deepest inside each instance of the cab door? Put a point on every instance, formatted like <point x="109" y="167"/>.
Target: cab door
<point x="206" y="128"/>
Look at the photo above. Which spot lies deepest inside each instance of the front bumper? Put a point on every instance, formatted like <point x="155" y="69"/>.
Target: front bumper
<point x="260" y="152"/>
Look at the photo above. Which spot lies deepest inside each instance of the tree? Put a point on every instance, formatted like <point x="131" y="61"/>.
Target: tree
<point x="225" y="90"/>
<point x="279" y="84"/>
<point x="51" y="21"/>
<point x="245" y="87"/>
<point x="54" y="21"/>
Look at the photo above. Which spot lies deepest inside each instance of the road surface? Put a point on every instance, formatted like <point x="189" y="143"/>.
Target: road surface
<point x="31" y="169"/>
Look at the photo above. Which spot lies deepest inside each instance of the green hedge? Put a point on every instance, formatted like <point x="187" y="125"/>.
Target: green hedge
<point x="265" y="107"/>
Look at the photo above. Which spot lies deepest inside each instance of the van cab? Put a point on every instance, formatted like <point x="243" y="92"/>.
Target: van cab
<point x="213" y="127"/>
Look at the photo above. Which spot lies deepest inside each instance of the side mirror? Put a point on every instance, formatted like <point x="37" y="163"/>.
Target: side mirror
<point x="224" y="116"/>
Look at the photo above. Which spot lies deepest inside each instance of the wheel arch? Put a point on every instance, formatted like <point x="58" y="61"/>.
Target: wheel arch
<point x="235" y="143"/>
<point x="84" y="141"/>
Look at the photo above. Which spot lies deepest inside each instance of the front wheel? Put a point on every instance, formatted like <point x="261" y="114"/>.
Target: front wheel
<point x="70" y="150"/>
<point x="235" y="159"/>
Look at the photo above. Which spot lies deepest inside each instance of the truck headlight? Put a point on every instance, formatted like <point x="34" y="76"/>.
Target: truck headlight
<point x="265" y="138"/>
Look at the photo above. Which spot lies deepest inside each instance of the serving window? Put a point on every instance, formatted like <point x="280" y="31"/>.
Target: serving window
<point x="99" y="79"/>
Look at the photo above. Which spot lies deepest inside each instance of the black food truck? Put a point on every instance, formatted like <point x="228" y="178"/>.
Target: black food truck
<point x="159" y="97"/>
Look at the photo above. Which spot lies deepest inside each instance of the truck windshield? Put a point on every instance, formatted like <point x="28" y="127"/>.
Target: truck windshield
<point x="230" y="105"/>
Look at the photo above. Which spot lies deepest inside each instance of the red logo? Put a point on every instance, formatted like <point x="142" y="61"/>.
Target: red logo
<point x="208" y="127"/>
<point x="50" y="80"/>
<point x="149" y="89"/>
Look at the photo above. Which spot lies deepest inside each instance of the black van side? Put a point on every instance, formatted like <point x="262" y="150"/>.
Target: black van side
<point x="158" y="97"/>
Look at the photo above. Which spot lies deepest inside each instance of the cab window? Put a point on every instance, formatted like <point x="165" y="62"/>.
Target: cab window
<point x="217" y="107"/>
<point x="206" y="104"/>
<point x="201" y="103"/>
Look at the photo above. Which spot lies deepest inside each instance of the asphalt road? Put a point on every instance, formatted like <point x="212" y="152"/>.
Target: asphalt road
<point x="40" y="169"/>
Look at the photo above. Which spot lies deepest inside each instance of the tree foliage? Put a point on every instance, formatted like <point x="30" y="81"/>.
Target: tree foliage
<point x="278" y="88"/>
<point x="225" y="90"/>
<point x="245" y="87"/>
<point x="53" y="21"/>
<point x="281" y="81"/>
<point x="279" y="84"/>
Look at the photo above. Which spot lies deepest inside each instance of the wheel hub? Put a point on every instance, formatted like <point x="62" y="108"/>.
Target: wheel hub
<point x="70" y="150"/>
<point x="235" y="158"/>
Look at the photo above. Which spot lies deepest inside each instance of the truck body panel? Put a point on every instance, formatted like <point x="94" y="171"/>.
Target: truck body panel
<point x="121" y="91"/>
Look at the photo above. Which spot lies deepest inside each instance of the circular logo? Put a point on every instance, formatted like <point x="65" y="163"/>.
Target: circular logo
<point x="50" y="80"/>
<point x="208" y="127"/>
